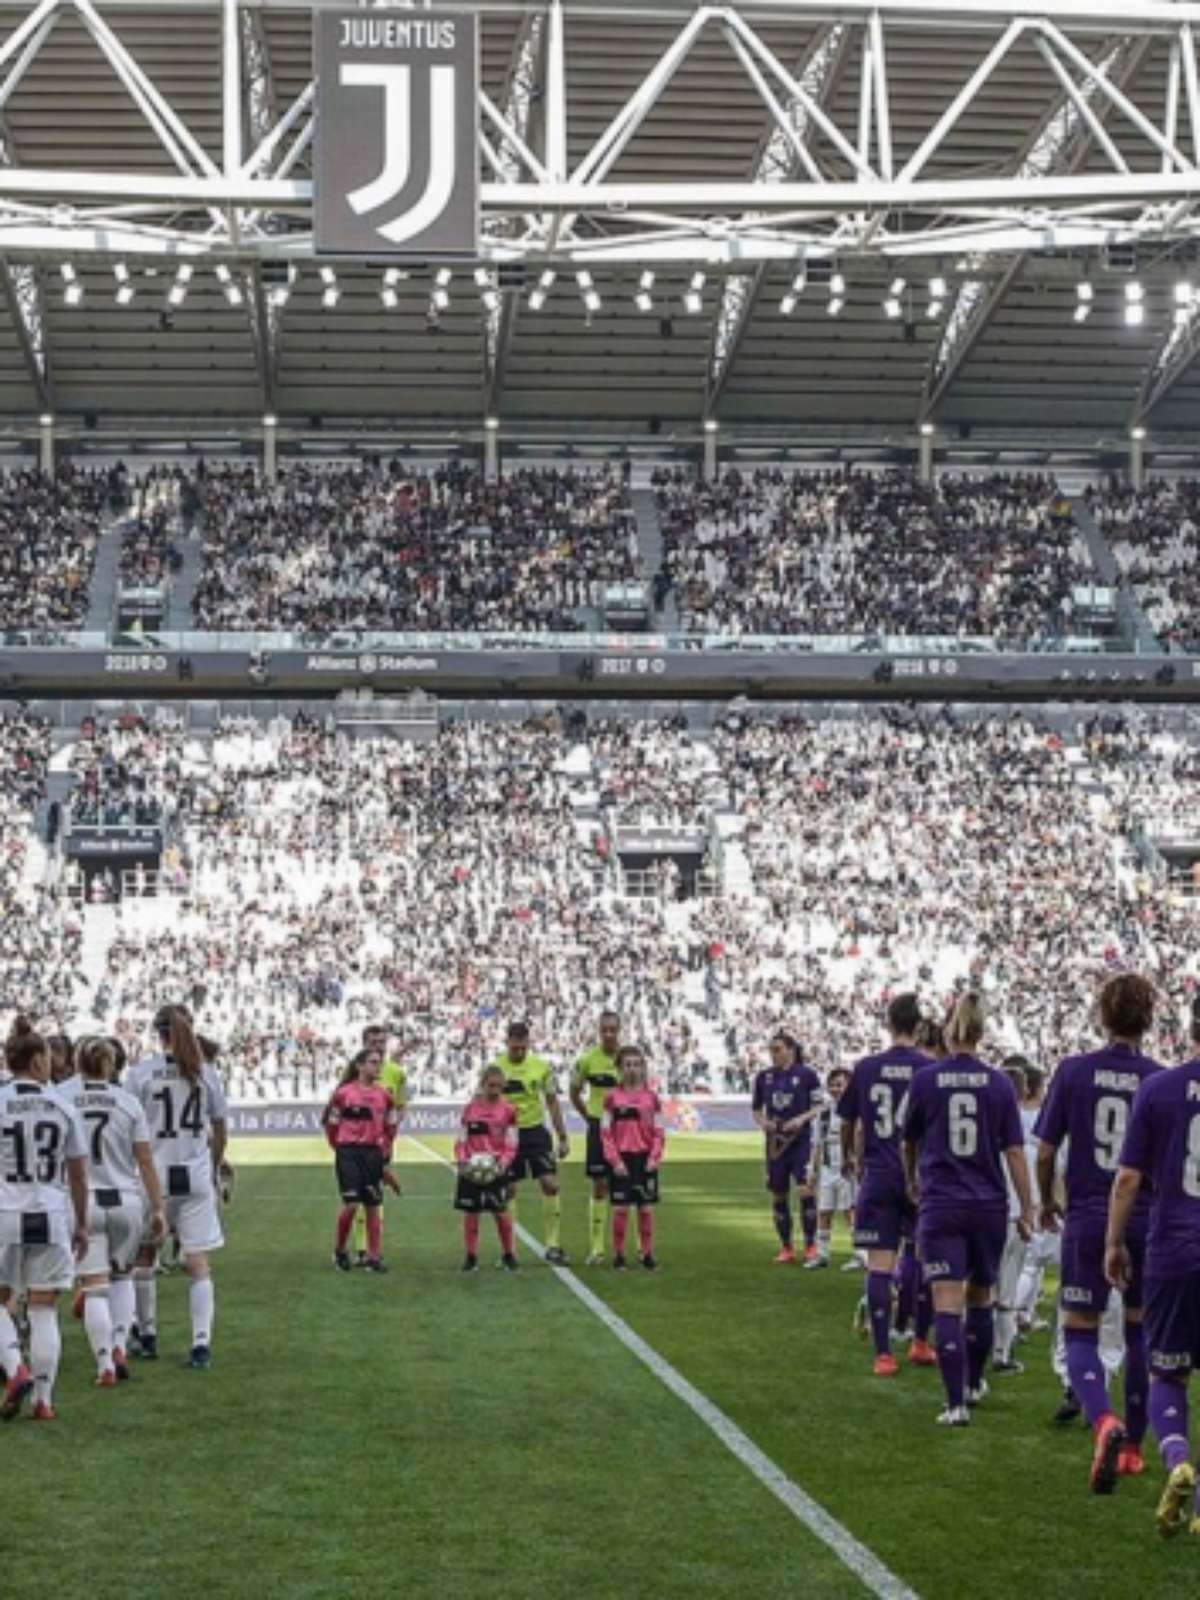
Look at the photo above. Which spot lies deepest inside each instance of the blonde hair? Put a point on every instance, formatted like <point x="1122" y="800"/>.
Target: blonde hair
<point x="965" y="1027"/>
<point x="96" y="1058"/>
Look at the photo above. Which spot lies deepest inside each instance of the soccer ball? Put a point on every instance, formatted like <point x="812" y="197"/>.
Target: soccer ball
<point x="483" y="1168"/>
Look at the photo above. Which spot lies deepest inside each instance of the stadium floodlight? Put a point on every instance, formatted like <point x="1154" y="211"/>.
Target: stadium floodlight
<point x="699" y="279"/>
<point x="800" y="283"/>
<point x="389" y="297"/>
<point x="223" y="273"/>
<point x="711" y="424"/>
<point x="491" y="299"/>
<point x="328" y="275"/>
<point x="443" y="277"/>
<point x="646" y="281"/>
<point x="1134" y="293"/>
<point x="835" y="306"/>
<point x="68" y="272"/>
<point x="892" y="309"/>
<point x="584" y="279"/>
<point x="1085" y="292"/>
<point x="46" y="419"/>
<point x="177" y="294"/>
<point x="546" y="281"/>
<point x="125" y="292"/>
<point x="1083" y="311"/>
<point x="643" y="300"/>
<point x="1184" y="293"/>
<point x="787" y="305"/>
<point x="537" y="299"/>
<point x="186" y="273"/>
<point x="937" y="288"/>
<point x="1138" y="433"/>
<point x="927" y="430"/>
<point x="120" y="272"/>
<point x="331" y="297"/>
<point x="591" y="300"/>
<point x="837" y="285"/>
<point x="482" y="277"/>
<point x="897" y="288"/>
<point x="393" y="276"/>
<point x="280" y="296"/>
<point x="1182" y="316"/>
<point x="270" y="419"/>
<point x="936" y="307"/>
<point x="693" y="302"/>
<point x="491" y="423"/>
<point x="234" y="295"/>
<point x="441" y="298"/>
<point x="1135" y="313"/>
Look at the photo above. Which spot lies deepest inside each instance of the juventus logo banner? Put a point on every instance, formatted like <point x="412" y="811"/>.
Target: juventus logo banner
<point x="396" y="163"/>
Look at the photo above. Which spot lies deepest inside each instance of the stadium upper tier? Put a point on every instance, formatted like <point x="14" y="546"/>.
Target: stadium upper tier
<point x="367" y="553"/>
<point x="806" y="868"/>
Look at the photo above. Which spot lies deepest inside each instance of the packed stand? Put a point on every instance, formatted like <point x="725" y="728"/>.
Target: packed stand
<point x="1155" y="536"/>
<point x="39" y="947"/>
<point x="128" y="772"/>
<point x="652" y="774"/>
<point x="904" y="850"/>
<point x="150" y="551"/>
<point x="1150" y="763"/>
<point x="380" y="546"/>
<point x="872" y="553"/>
<point x="49" y="530"/>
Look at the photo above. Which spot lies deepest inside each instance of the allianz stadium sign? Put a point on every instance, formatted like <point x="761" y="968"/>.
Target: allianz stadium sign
<point x="369" y="664"/>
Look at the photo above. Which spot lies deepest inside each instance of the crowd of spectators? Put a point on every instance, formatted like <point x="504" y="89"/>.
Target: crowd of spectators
<point x="1155" y="536"/>
<point x="127" y="772"/>
<point x="380" y="546"/>
<point x="150" y="552"/>
<point x="49" y="530"/>
<point x="39" y="945"/>
<point x="872" y="553"/>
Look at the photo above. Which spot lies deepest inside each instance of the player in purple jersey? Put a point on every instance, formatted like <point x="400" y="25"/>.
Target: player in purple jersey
<point x="1162" y="1149"/>
<point x="1088" y="1105"/>
<point x="787" y="1097"/>
<point x="872" y="1110"/>
<point x="964" y="1120"/>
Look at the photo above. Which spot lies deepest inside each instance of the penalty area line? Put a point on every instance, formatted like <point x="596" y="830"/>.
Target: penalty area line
<point x="880" y="1580"/>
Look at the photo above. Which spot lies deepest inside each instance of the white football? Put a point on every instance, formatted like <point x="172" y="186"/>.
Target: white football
<point x="483" y="1168"/>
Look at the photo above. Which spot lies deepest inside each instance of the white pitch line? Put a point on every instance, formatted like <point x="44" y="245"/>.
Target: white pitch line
<point x="866" y="1566"/>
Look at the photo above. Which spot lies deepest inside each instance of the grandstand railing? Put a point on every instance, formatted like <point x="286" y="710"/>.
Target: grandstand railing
<point x="372" y="641"/>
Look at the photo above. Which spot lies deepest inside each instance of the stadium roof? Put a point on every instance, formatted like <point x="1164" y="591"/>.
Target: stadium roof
<point x="1022" y="170"/>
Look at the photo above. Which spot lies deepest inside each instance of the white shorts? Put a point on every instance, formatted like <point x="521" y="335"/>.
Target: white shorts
<point x="36" y="1266"/>
<point x="114" y="1236"/>
<point x="1016" y="1253"/>
<point x="195" y="1219"/>
<point x="835" y="1194"/>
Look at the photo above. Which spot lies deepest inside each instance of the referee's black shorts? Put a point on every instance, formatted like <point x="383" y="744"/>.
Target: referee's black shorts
<point x="535" y="1155"/>
<point x="597" y="1166"/>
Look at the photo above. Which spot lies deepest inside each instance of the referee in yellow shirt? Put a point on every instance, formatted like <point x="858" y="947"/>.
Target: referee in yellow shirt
<point x="530" y="1089"/>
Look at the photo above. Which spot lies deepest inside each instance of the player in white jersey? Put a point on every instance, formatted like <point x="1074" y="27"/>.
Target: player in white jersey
<point x="185" y="1108"/>
<point x="125" y="1199"/>
<point x="831" y="1182"/>
<point x="43" y="1218"/>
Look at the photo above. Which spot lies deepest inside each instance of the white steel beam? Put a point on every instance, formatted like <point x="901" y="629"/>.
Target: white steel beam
<point x="231" y="89"/>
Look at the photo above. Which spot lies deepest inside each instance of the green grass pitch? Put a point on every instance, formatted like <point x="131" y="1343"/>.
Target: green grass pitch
<point x="431" y="1435"/>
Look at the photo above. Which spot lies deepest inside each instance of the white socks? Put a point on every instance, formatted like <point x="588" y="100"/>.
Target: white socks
<point x="1006" y="1333"/>
<point x="45" y="1348"/>
<point x="97" y="1319"/>
<point x="145" y="1287"/>
<point x="121" y="1303"/>
<point x="200" y="1297"/>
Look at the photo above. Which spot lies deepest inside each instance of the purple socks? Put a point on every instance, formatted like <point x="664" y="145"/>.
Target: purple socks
<point x="907" y="1278"/>
<point x="951" y="1356"/>
<point x="782" y="1214"/>
<point x="1137" y="1381"/>
<point x="879" y="1305"/>
<point x="924" y="1317"/>
<point x="981" y="1334"/>
<point x="1085" y="1371"/>
<point x="1169" y="1418"/>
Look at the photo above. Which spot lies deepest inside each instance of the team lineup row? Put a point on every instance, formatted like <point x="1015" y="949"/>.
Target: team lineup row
<point x="96" y="1174"/>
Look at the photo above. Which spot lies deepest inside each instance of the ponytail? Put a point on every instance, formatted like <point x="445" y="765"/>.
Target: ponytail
<point x="965" y="1027"/>
<point x="174" y="1025"/>
<point x="23" y="1047"/>
<point x="96" y="1058"/>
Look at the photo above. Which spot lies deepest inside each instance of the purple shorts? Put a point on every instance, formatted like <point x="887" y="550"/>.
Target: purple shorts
<point x="883" y="1215"/>
<point x="1173" y="1325"/>
<point x="791" y="1167"/>
<point x="1083" y="1284"/>
<point x="961" y="1243"/>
